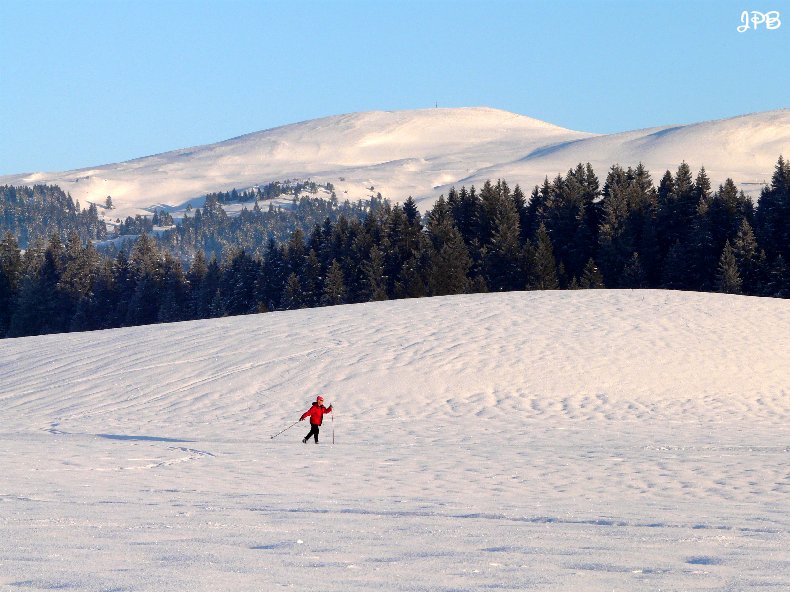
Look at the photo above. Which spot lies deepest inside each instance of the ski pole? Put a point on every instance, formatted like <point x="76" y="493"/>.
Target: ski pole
<point x="285" y="430"/>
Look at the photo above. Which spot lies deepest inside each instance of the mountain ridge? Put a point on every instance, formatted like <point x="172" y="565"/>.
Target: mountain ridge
<point x="423" y="153"/>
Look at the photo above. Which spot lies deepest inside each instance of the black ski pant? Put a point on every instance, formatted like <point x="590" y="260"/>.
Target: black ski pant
<point x="313" y="432"/>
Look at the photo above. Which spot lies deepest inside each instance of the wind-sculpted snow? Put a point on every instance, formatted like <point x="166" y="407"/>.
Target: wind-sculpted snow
<point x="574" y="441"/>
<point x="423" y="153"/>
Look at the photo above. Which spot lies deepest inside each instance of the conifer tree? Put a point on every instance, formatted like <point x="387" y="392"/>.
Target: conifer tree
<point x="355" y="263"/>
<point x="649" y="249"/>
<point x="465" y="212"/>
<point x="545" y="271"/>
<point x="591" y="278"/>
<point x="567" y="220"/>
<point x="685" y="193"/>
<point x="397" y="244"/>
<point x="728" y="280"/>
<point x="75" y="286"/>
<point x="450" y="261"/>
<point x="375" y="280"/>
<point x="520" y="201"/>
<point x="701" y="248"/>
<point x="702" y="187"/>
<point x="562" y="276"/>
<point x="411" y="211"/>
<point x="311" y="280"/>
<point x="217" y="305"/>
<point x="502" y="264"/>
<point x="123" y="285"/>
<point x="334" y="286"/>
<point x="100" y="311"/>
<point x="745" y="251"/>
<point x="634" y="275"/>
<point x="490" y="196"/>
<point x="209" y="297"/>
<point x="172" y="294"/>
<point x="238" y="284"/>
<point x="145" y="274"/>
<point x="292" y="296"/>
<point x="10" y="274"/>
<point x="535" y="208"/>
<point x="615" y="240"/>
<point x="272" y="276"/>
<point x="778" y="283"/>
<point x="295" y="251"/>
<point x="410" y="282"/>
<point x="773" y="213"/>
<point x="37" y="308"/>
<point x="675" y="272"/>
<point x="591" y="198"/>
<point x="666" y="214"/>
<point x="439" y="215"/>
<point x="198" y="306"/>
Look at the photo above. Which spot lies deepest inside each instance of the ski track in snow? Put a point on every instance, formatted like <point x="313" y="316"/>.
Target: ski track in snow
<point x="565" y="441"/>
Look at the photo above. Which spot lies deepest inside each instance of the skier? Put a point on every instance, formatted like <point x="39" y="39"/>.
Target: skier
<point x="316" y="414"/>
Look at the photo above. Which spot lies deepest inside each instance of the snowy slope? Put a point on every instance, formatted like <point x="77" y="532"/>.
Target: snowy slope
<point x="399" y="153"/>
<point x="574" y="441"/>
<point x="423" y="153"/>
<point x="744" y="148"/>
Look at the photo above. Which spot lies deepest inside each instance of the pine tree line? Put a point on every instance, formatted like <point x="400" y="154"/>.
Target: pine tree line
<point x="570" y="234"/>
<point x="211" y="230"/>
<point x="270" y="191"/>
<point x="42" y="210"/>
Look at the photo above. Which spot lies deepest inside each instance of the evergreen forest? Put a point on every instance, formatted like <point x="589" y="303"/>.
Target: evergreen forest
<point x="58" y="274"/>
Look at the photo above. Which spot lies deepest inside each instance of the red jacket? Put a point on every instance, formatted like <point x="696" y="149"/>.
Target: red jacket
<point x="316" y="414"/>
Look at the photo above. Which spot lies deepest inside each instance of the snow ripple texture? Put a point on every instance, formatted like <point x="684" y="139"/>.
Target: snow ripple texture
<point x="588" y="440"/>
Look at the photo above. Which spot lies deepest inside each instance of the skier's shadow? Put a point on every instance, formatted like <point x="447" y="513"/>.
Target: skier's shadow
<point x="140" y="438"/>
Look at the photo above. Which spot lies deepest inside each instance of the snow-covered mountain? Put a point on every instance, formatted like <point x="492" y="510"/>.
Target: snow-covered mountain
<point x="579" y="441"/>
<point x="423" y="153"/>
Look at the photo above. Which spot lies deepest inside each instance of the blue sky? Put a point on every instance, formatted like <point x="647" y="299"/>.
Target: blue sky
<point x="87" y="82"/>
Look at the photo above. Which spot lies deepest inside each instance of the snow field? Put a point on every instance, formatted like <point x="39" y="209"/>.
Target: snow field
<point x="589" y="440"/>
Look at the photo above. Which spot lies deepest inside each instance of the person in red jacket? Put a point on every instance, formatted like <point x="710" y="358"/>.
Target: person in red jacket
<point x="316" y="414"/>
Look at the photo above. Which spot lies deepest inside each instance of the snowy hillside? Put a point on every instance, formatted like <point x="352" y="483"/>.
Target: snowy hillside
<point x="573" y="441"/>
<point x="423" y="153"/>
<point x="744" y="148"/>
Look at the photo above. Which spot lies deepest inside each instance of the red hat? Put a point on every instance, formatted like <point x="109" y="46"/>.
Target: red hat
<point x="319" y="398"/>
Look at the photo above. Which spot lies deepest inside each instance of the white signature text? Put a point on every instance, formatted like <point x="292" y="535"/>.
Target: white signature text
<point x="754" y="19"/>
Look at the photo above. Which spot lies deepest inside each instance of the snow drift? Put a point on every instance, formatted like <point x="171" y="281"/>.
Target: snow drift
<point x="583" y="440"/>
